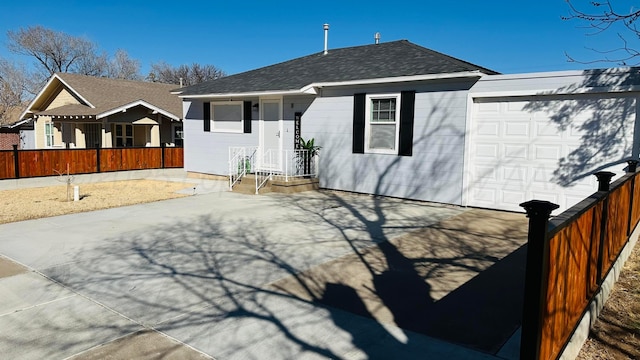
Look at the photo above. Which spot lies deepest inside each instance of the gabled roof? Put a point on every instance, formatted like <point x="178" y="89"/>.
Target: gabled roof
<point x="396" y="59"/>
<point x="100" y="97"/>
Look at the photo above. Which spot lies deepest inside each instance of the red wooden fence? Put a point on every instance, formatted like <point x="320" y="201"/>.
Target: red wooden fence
<point x="47" y="162"/>
<point x="578" y="251"/>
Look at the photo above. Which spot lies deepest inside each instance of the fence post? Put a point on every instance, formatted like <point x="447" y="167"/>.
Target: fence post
<point x="631" y="169"/>
<point x="16" y="161"/>
<point x="604" y="182"/>
<point x="162" y="146"/>
<point x="536" y="277"/>
<point x="98" y="159"/>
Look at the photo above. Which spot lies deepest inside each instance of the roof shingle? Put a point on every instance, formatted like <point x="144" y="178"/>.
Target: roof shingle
<point x="384" y="60"/>
<point x="107" y="94"/>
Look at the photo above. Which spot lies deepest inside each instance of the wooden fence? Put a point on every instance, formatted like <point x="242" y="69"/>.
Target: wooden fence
<point x="569" y="258"/>
<point x="16" y="163"/>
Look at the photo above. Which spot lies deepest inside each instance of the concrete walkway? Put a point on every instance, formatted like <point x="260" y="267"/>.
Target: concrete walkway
<point x="194" y="278"/>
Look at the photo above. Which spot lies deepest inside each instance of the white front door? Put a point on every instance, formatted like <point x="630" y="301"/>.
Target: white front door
<point x="271" y="134"/>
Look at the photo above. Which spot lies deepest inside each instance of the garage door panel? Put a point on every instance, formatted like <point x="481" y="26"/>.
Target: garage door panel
<point x="512" y="197"/>
<point x="517" y="129"/>
<point x="547" y="130"/>
<point x="547" y="152"/>
<point x="514" y="174"/>
<point x="516" y="151"/>
<point x="521" y="150"/>
<point x="487" y="151"/>
<point x="488" y="128"/>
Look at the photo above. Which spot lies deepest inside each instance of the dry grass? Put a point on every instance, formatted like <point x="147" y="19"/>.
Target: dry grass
<point x="616" y="333"/>
<point x="33" y="203"/>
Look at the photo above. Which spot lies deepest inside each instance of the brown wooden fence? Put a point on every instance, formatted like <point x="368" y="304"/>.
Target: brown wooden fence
<point x="16" y="164"/>
<point x="570" y="258"/>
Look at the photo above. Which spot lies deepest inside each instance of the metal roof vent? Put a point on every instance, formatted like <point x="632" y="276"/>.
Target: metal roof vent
<point x="376" y="37"/>
<point x="326" y="38"/>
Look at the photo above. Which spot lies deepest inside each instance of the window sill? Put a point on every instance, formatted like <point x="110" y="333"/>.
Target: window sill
<point x="381" y="152"/>
<point x="226" y="131"/>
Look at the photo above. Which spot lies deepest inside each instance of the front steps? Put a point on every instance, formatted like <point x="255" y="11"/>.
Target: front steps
<point x="247" y="185"/>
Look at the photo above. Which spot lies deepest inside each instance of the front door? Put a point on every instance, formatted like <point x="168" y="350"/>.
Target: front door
<point x="271" y="134"/>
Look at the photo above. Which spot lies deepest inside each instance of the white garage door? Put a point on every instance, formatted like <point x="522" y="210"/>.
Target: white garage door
<point x="545" y="148"/>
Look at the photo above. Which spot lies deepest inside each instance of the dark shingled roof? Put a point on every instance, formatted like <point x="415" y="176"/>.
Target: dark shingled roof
<point x="391" y="59"/>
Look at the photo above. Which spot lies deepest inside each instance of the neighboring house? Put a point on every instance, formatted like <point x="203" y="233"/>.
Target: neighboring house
<point x="10" y="132"/>
<point x="400" y="120"/>
<point x="78" y="111"/>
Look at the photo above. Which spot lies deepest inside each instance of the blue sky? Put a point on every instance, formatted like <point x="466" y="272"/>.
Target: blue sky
<point x="506" y="36"/>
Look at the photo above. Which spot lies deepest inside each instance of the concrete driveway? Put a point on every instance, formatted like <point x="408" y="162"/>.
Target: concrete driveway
<point x="192" y="278"/>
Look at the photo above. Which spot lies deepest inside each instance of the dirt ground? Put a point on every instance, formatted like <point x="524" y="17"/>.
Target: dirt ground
<point x="616" y="333"/>
<point x="32" y="203"/>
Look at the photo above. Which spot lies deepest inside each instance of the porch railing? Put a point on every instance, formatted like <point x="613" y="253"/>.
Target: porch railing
<point x="241" y="161"/>
<point x="270" y="164"/>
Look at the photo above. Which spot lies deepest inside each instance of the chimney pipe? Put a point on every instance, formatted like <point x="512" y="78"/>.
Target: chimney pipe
<point x="180" y="82"/>
<point x="326" y="37"/>
<point x="376" y="37"/>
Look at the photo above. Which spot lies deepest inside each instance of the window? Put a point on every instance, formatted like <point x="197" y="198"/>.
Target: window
<point x="178" y="135"/>
<point x="382" y="123"/>
<point x="48" y="134"/>
<point x="227" y="116"/>
<point x="124" y="135"/>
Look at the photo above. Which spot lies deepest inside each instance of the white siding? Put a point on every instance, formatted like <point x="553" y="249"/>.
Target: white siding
<point x="433" y="173"/>
<point x="208" y="152"/>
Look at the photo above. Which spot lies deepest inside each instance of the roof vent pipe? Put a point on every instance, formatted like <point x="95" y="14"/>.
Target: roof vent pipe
<point x="326" y="37"/>
<point x="376" y="37"/>
<point x="180" y="82"/>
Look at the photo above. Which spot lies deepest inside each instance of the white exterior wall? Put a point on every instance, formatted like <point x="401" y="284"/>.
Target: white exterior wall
<point x="208" y="152"/>
<point x="432" y="173"/>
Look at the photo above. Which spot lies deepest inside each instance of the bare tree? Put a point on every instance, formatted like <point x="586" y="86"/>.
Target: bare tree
<point x="604" y="16"/>
<point x="123" y="67"/>
<point x="56" y="51"/>
<point x="189" y="74"/>
<point x="14" y="86"/>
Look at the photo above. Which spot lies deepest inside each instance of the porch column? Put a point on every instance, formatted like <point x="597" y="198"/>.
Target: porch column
<point x="107" y="141"/>
<point x="155" y="135"/>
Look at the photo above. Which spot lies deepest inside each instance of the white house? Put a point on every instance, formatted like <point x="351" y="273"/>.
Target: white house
<point x="397" y="119"/>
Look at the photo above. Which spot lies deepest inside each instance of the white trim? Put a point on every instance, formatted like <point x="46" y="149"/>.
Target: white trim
<point x="466" y="159"/>
<point x="277" y="93"/>
<point x="124" y="108"/>
<point x="44" y="88"/>
<point x="555" y="91"/>
<point x="312" y="89"/>
<point x="397" y="79"/>
<point x="367" y="122"/>
<point x="51" y="136"/>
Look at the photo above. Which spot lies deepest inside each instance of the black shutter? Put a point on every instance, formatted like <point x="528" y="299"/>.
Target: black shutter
<point x="407" y="106"/>
<point x="358" y="123"/>
<point x="206" y="116"/>
<point x="247" y="117"/>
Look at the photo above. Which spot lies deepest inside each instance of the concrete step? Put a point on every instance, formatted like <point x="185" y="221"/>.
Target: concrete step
<point x="247" y="185"/>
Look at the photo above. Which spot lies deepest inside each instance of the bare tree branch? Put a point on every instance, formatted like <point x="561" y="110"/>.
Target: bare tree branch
<point x="189" y="75"/>
<point x="604" y="17"/>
